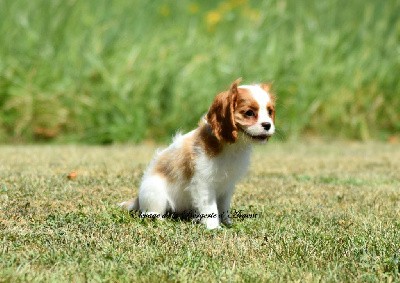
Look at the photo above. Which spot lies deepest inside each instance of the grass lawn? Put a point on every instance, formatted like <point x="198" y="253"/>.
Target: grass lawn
<point x="327" y="212"/>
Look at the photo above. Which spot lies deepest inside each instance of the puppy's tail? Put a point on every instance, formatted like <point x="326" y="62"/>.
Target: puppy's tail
<point x="132" y="204"/>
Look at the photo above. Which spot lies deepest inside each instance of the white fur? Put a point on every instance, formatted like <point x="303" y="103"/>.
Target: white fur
<point x="259" y="95"/>
<point x="213" y="184"/>
<point x="210" y="189"/>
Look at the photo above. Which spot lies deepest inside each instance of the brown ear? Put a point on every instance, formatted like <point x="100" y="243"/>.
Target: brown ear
<point x="220" y="115"/>
<point x="267" y="87"/>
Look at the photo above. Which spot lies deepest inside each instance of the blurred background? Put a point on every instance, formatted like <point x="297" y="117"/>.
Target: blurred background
<point x="100" y="72"/>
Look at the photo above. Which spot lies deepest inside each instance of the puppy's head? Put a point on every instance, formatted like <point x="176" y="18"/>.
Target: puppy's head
<point x="249" y="109"/>
<point x="255" y="111"/>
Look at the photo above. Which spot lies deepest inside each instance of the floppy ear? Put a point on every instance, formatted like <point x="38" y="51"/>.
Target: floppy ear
<point x="267" y="87"/>
<point x="220" y="115"/>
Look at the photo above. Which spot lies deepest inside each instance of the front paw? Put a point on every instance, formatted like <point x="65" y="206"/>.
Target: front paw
<point x="227" y="221"/>
<point x="212" y="227"/>
<point x="212" y="224"/>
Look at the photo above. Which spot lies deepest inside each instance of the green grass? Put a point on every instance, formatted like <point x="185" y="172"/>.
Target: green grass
<point x="327" y="212"/>
<point x="97" y="71"/>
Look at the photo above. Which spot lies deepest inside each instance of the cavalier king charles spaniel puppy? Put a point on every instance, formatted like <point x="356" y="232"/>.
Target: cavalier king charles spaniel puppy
<point x="197" y="173"/>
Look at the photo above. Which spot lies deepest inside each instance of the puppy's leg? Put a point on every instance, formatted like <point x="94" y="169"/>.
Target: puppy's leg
<point x="224" y="205"/>
<point x="153" y="199"/>
<point x="204" y="200"/>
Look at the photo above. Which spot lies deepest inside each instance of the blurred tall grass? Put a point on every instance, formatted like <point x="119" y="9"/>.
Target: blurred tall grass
<point x="100" y="71"/>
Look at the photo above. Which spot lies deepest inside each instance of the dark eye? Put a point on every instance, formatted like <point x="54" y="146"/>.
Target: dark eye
<point x="270" y="111"/>
<point x="249" y="113"/>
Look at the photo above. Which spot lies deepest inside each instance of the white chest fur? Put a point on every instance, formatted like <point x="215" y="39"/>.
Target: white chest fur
<point x="232" y="164"/>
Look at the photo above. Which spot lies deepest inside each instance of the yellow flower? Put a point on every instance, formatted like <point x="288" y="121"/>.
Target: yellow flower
<point x="212" y="19"/>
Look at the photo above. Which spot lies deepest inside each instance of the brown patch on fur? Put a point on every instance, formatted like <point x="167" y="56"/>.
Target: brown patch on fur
<point x="266" y="86"/>
<point x="271" y="110"/>
<point x="177" y="163"/>
<point x="245" y="102"/>
<point x="221" y="114"/>
<point x="207" y="140"/>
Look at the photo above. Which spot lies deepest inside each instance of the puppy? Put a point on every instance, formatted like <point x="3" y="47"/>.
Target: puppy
<point x="199" y="170"/>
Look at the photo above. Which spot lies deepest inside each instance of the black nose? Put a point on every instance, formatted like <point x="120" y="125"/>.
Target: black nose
<point x="266" y="125"/>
